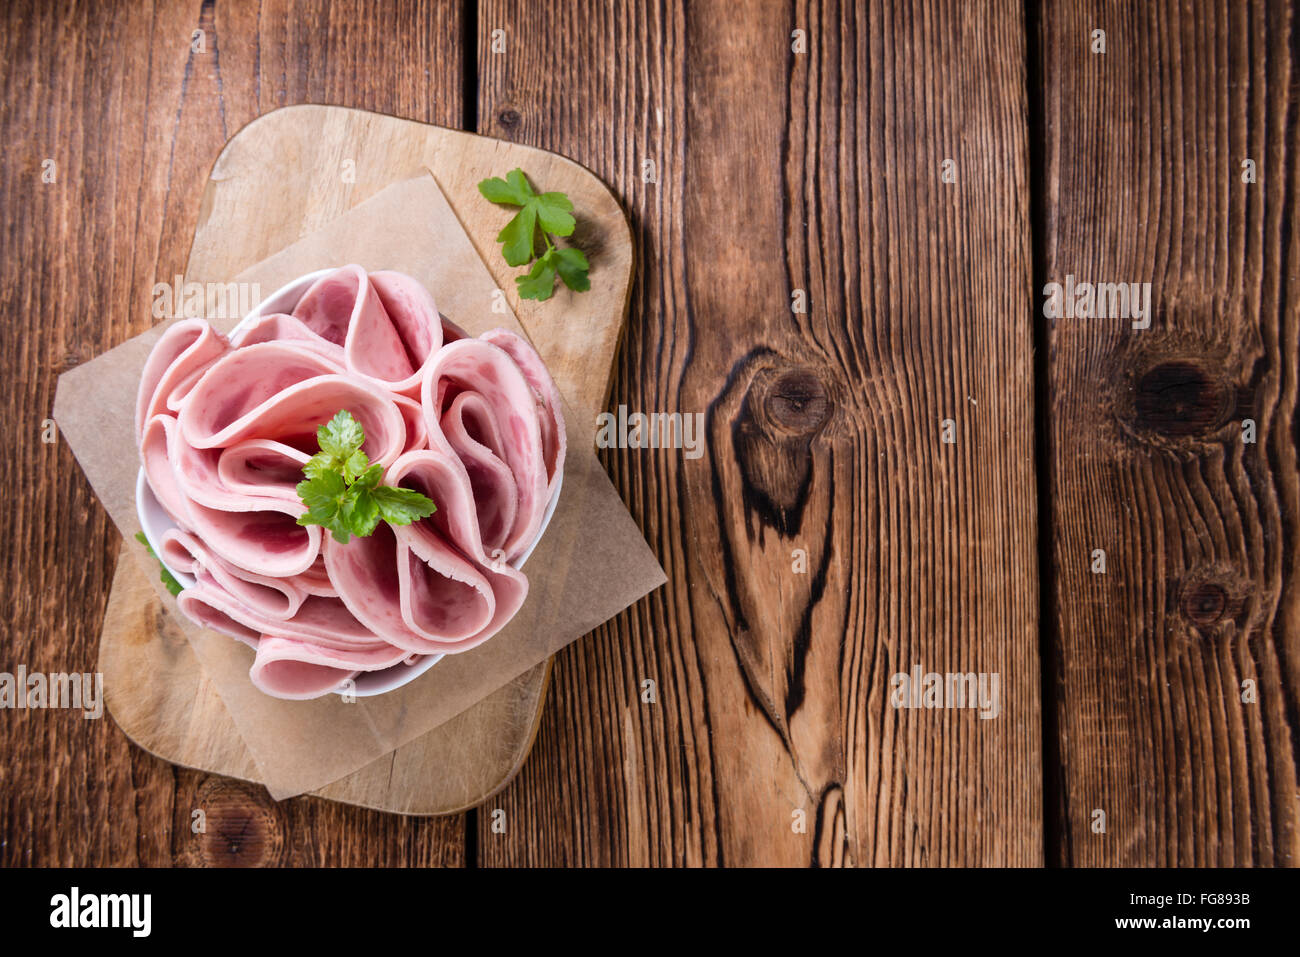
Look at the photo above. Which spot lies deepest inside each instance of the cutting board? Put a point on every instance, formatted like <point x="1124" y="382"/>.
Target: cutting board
<point x="281" y="177"/>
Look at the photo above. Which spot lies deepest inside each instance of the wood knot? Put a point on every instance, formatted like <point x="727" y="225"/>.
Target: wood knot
<point x="240" y="826"/>
<point x="1181" y="398"/>
<point x="795" y="401"/>
<point x="782" y="411"/>
<point x="508" y="118"/>
<point x="1204" y="603"/>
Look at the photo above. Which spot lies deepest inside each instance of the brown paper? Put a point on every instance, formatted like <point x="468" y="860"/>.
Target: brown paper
<point x="591" y="563"/>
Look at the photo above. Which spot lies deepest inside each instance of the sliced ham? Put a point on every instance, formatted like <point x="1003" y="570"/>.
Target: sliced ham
<point x="428" y="603"/>
<point x="226" y="426"/>
<point x="289" y="331"/>
<point x="386" y="323"/>
<point x="512" y="446"/>
<point x="185" y="350"/>
<point x="259" y="533"/>
<point x="269" y="390"/>
<point x="274" y="598"/>
<point x="549" y="416"/>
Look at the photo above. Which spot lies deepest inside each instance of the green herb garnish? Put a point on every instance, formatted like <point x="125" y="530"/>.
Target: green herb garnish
<point x="549" y="214"/>
<point x="167" y="578"/>
<point x="342" y="491"/>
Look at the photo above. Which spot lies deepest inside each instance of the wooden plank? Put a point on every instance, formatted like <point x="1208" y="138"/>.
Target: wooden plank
<point x="1143" y="152"/>
<point x="820" y="171"/>
<point x="133" y="117"/>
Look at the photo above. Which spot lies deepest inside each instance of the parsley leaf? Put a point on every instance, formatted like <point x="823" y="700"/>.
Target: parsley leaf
<point x="369" y="477"/>
<point x="167" y="578"/>
<point x="540" y="281"/>
<point x="498" y="190"/>
<point x="519" y="183"/>
<point x="572" y="266"/>
<point x="552" y="215"/>
<point x="400" y="506"/>
<point x="360" y="513"/>
<point x="341" y="435"/>
<point x="517" y="237"/>
<point x="342" y="491"/>
<point x="324" y="497"/>
<point x="340" y="442"/>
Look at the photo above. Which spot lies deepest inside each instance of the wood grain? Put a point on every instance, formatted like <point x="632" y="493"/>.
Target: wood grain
<point x="820" y="171"/>
<point x="774" y="171"/>
<point x="132" y="116"/>
<point x="1142" y="178"/>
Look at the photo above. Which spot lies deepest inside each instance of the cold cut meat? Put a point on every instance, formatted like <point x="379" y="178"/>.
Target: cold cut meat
<point x="225" y="426"/>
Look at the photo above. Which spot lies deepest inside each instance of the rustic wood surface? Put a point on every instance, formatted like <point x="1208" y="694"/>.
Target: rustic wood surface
<point x="772" y="171"/>
<point x="133" y="118"/>
<point x="1142" y="178"/>
<point x="824" y="435"/>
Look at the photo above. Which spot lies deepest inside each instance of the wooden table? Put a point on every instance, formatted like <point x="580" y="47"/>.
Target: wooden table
<point x="844" y="236"/>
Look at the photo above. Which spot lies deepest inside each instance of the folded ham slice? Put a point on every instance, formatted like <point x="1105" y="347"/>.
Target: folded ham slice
<point x="430" y="586"/>
<point x="225" y="427"/>
<point x="386" y="323"/>
<point x="185" y="349"/>
<point x="259" y="533"/>
<point x="481" y="407"/>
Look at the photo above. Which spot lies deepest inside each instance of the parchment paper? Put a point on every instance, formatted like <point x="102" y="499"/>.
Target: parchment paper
<point x="590" y="565"/>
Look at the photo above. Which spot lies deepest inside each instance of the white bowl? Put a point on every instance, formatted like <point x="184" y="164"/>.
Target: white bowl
<point x="155" y="522"/>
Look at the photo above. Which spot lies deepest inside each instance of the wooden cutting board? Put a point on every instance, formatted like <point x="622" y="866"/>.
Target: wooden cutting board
<point x="281" y="177"/>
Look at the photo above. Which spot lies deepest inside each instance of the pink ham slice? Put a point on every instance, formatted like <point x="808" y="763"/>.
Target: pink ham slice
<point x="415" y="317"/>
<point x="292" y="654"/>
<point x="474" y="434"/>
<point x="325" y="621"/>
<point x="270" y="390"/>
<point x="187" y="348"/>
<point x="262" y="468"/>
<point x="430" y="586"/>
<point x="251" y="475"/>
<point x="417" y="437"/>
<point x="258" y="534"/>
<point x="504" y="397"/>
<point x="386" y="323"/>
<point x="455" y="523"/>
<point x="429" y="602"/>
<point x="272" y="598"/>
<point x="316" y="580"/>
<point x="286" y="330"/>
<point x="155" y="442"/>
<point x="550" y="417"/>
<point x="225" y="428"/>
<point x="297" y="670"/>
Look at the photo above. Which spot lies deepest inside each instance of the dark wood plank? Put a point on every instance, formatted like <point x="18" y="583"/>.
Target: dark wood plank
<point x="1143" y="152"/>
<point x="133" y="118"/>
<point x="818" y="171"/>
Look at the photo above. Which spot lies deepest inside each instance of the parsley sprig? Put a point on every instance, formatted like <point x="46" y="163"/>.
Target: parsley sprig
<point x="549" y="214"/>
<point x="342" y="490"/>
